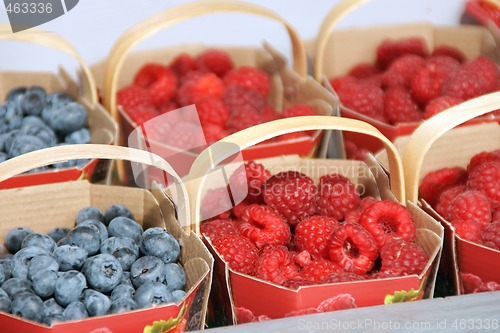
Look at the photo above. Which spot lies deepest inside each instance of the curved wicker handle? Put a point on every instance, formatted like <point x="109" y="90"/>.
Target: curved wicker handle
<point x="53" y="41"/>
<point x="332" y="18"/>
<point x="218" y="152"/>
<point x="43" y="157"/>
<point x="181" y="13"/>
<point x="432" y="129"/>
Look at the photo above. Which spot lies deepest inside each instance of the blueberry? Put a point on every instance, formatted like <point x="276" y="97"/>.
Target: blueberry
<point x="22" y="258"/>
<point x="70" y="257"/>
<point x="160" y="243"/>
<point x="69" y="287"/>
<point x="103" y="231"/>
<point x="78" y="137"/>
<point x="58" y="233"/>
<point x="55" y="99"/>
<point x="175" y="277"/>
<point x="31" y="121"/>
<point x="122" y="305"/>
<point x="11" y="117"/>
<point x="90" y="213"/>
<point x="33" y="101"/>
<point x="97" y="303"/>
<point x="15" y="237"/>
<point x="3" y="275"/>
<point x="44" y="282"/>
<point x="103" y="272"/>
<point x="124" y="227"/>
<point x="43" y="132"/>
<point x="28" y="306"/>
<point x="15" y="93"/>
<point x="152" y="293"/>
<point x="75" y="310"/>
<point x="178" y="295"/>
<point x="66" y="118"/>
<point x="82" y="162"/>
<point x="52" y="319"/>
<point x="126" y="279"/>
<point x="7" y="139"/>
<point x="87" y="237"/>
<point x="23" y="144"/>
<point x="51" y="307"/>
<point x="121" y="291"/>
<point x="4" y="301"/>
<point x="6" y="267"/>
<point x="115" y="211"/>
<point x="39" y="240"/>
<point x="3" y="157"/>
<point x="147" y="269"/>
<point x="42" y="262"/>
<point x="14" y="286"/>
<point x="125" y="249"/>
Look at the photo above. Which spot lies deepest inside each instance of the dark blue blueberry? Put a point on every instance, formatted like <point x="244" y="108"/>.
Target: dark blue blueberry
<point x="124" y="227"/>
<point x="55" y="99"/>
<point x="3" y="157"/>
<point x="82" y="162"/>
<point x="58" y="233"/>
<point x="126" y="279"/>
<point x="90" y="213"/>
<point x="152" y="293"/>
<point x="23" y="144"/>
<point x="175" y="277"/>
<point x="160" y="243"/>
<point x="7" y="267"/>
<point x="147" y="269"/>
<point x="33" y="101"/>
<point x="103" y="272"/>
<point x="51" y="307"/>
<point x="3" y="275"/>
<point x="4" y="301"/>
<point x="15" y="237"/>
<point x="13" y="286"/>
<point x="75" y="310"/>
<point x="11" y="117"/>
<point x="43" y="132"/>
<point x="52" y="319"/>
<point x="22" y="258"/>
<point x="178" y="295"/>
<point x="66" y="118"/>
<point x="15" y="93"/>
<point x="44" y="282"/>
<point x="125" y="249"/>
<point x="97" y="303"/>
<point x="115" y="211"/>
<point x="70" y="257"/>
<point x="32" y="121"/>
<point x="69" y="287"/>
<point x="42" y="262"/>
<point x="87" y="237"/>
<point x="7" y="139"/>
<point x="121" y="291"/>
<point x="78" y="137"/>
<point x="103" y="231"/>
<point x="28" y="306"/>
<point x="122" y="305"/>
<point x="40" y="240"/>
<point x="38" y="170"/>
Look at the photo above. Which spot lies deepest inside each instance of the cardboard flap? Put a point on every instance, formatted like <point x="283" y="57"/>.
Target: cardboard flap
<point x="196" y="270"/>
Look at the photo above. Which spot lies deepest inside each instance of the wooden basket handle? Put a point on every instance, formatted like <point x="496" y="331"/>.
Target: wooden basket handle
<point x="47" y="39"/>
<point x="178" y="14"/>
<point x="432" y="129"/>
<point x="47" y="156"/>
<point x="219" y="152"/>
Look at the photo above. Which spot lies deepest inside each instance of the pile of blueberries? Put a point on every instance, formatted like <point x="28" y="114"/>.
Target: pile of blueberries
<point x="106" y="264"/>
<point x="31" y="119"/>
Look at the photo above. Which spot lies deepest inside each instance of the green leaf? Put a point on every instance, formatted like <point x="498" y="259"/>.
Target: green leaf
<point x="402" y="296"/>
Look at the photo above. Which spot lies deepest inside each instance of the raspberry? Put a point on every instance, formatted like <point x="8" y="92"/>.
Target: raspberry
<point x="131" y="97"/>
<point x="249" y="78"/>
<point x="440" y="104"/>
<point x="389" y="50"/>
<point x="242" y="117"/>
<point x="193" y="90"/>
<point x="486" y="68"/>
<point x="464" y="84"/>
<point x="353" y="215"/>
<point x="427" y="82"/>
<point x="183" y="64"/>
<point x="163" y="89"/>
<point x="214" y="229"/>
<point x="496" y="216"/>
<point x="336" y="197"/>
<point x="402" y="70"/>
<point x="150" y="73"/>
<point x="167" y="107"/>
<point x="318" y="269"/>
<point x="215" y="61"/>
<point x="269" y="114"/>
<point x="435" y="182"/>
<point x="302" y="258"/>
<point x="214" y="133"/>
<point x="312" y="234"/>
<point x="238" y="252"/>
<point x="239" y="209"/>
<point x="446" y="199"/>
<point x="342" y="277"/>
<point x="243" y="315"/>
<point x="353" y="248"/>
<point x="264" y="226"/>
<point x="297" y="282"/>
<point x="399" y="107"/>
<point x="386" y="220"/>
<point x="142" y="113"/>
<point x="363" y="70"/>
<point x="491" y="235"/>
<point x="470" y="283"/>
<point x="249" y="178"/>
<point x="403" y="257"/>
<point x="298" y="110"/>
<point x="276" y="265"/>
<point x="471" y="206"/>
<point x="235" y="97"/>
<point x="483" y="157"/>
<point x="449" y="51"/>
<point x="339" y="302"/>
<point x="292" y="194"/>
<point x="216" y="201"/>
<point x="364" y="98"/>
<point x="469" y="230"/>
<point x="486" y="178"/>
<point x="211" y="110"/>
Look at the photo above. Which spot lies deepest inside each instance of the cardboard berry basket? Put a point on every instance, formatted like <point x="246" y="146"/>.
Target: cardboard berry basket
<point x="236" y="295"/>
<point x="289" y="85"/>
<point x="44" y="207"/>
<point x="103" y="129"/>
<point x="336" y="51"/>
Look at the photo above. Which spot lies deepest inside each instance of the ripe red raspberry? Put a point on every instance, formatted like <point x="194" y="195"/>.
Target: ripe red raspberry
<point x="486" y="178"/>
<point x="446" y="199"/>
<point x="318" y="269"/>
<point x="469" y="230"/>
<point x="276" y="265"/>
<point x="353" y="248"/>
<point x="297" y="282"/>
<point x="235" y="97"/>
<point x="263" y="226"/>
<point x="292" y="194"/>
<point x="403" y="257"/>
<point x="428" y="80"/>
<point x="132" y="96"/>
<point x="337" y="196"/>
<point x="149" y="73"/>
<point x="242" y="117"/>
<point x="496" y="216"/>
<point x="302" y="258"/>
<point x="491" y="235"/>
<point x="339" y="302"/>
<point x="361" y="97"/>
<point x="363" y="71"/>
<point x="269" y="114"/>
<point x="216" y="61"/>
<point x="342" y="277"/>
<point x="216" y="201"/>
<point x="167" y="107"/>
<point x="402" y="70"/>
<point x="449" y="51"/>
<point x="214" y="229"/>
<point x="250" y="78"/>
<point x="238" y="252"/>
<point x="183" y="64"/>
<point x="465" y="84"/>
<point x="239" y="209"/>
<point x="299" y="110"/>
<point x="312" y="234"/>
<point x="389" y="50"/>
<point x="163" y="89"/>
<point x="142" y="113"/>
<point x="470" y="283"/>
<point x="440" y="104"/>
<point x="435" y="182"/>
<point x="192" y="91"/>
<point x="486" y="68"/>
<point x="386" y="220"/>
<point x="214" y="133"/>
<point x="483" y="157"/>
<point x="211" y="110"/>
<point x="249" y="178"/>
<point x="353" y="215"/>
<point x="471" y="206"/>
<point x="399" y="107"/>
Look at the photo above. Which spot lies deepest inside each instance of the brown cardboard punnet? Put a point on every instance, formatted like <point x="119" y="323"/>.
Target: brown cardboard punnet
<point x="289" y="86"/>
<point x="337" y="51"/>
<point x="44" y="207"/>
<point x="103" y="128"/>
<point x="235" y="293"/>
